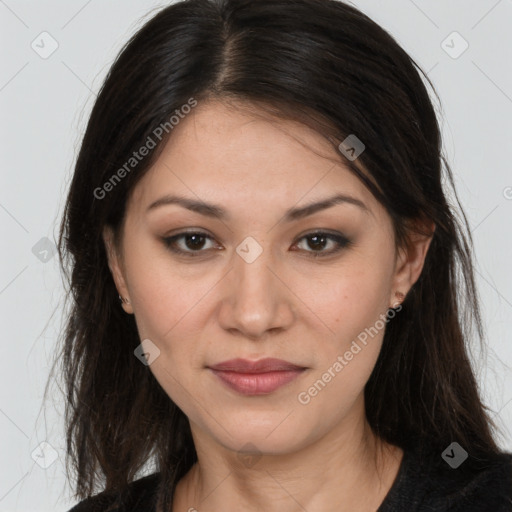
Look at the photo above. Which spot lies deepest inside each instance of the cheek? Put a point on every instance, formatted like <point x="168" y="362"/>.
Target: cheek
<point x="168" y="312"/>
<point x="346" y="305"/>
<point x="346" y="358"/>
<point x="164" y="298"/>
<point x="352" y="313"/>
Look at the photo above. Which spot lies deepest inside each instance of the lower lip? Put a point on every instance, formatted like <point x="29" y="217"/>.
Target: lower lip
<point x="257" y="383"/>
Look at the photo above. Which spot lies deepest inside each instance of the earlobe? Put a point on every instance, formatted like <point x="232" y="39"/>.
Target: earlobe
<point x="115" y="266"/>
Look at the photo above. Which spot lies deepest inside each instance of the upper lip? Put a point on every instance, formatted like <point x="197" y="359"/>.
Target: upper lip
<point x="268" y="364"/>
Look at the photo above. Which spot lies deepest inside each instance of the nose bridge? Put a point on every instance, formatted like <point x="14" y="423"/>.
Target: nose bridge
<point x="254" y="302"/>
<point x="253" y="279"/>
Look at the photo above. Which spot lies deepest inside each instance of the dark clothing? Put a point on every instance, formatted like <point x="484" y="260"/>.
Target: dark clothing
<point x="423" y="484"/>
<point x="428" y="483"/>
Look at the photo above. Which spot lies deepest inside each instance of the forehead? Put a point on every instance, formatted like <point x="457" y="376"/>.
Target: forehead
<point x="242" y="157"/>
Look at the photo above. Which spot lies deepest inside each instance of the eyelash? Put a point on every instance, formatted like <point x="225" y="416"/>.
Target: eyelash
<point x="340" y="240"/>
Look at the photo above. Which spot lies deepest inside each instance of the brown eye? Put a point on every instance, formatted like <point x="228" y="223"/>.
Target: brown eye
<point x="318" y="241"/>
<point x="192" y="242"/>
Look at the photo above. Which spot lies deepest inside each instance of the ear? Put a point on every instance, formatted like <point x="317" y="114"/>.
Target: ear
<point x="116" y="268"/>
<point x="410" y="261"/>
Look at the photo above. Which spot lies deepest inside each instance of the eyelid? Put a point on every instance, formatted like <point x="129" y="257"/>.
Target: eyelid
<point x="169" y="240"/>
<point x="341" y="240"/>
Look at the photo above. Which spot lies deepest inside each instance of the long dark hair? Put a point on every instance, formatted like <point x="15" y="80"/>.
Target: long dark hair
<point x="329" y="66"/>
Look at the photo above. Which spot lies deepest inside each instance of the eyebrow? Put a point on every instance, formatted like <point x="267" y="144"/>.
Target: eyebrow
<point x="217" y="212"/>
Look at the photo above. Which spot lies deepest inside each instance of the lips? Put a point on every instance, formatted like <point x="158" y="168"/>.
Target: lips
<point x="261" y="366"/>
<point x="256" y="377"/>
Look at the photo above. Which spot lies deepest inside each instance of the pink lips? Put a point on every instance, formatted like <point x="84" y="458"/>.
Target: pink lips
<point x="256" y="377"/>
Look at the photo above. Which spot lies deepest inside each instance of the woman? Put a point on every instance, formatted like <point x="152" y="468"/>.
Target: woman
<point x="267" y="276"/>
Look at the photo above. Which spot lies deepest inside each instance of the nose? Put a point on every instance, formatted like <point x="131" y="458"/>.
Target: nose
<point x="256" y="300"/>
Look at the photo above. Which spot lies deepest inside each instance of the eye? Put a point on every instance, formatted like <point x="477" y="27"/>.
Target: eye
<point x="318" y="241"/>
<point x="192" y="243"/>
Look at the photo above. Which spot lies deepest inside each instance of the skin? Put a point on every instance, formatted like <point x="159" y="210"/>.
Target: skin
<point x="319" y="456"/>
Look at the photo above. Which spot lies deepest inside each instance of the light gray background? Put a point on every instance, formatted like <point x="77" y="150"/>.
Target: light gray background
<point x="44" y="107"/>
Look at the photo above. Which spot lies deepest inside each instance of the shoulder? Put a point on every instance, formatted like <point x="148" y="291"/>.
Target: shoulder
<point x="481" y="486"/>
<point x="476" y="485"/>
<point x="426" y="482"/>
<point x="139" y="496"/>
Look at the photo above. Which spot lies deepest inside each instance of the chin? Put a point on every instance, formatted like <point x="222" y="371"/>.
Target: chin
<point x="267" y="435"/>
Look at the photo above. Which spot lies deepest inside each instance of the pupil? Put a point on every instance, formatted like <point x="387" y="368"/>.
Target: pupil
<point x="316" y="244"/>
<point x="197" y="241"/>
<point x="195" y="245"/>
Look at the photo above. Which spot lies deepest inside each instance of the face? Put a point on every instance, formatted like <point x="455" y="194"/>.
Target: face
<point x="259" y="276"/>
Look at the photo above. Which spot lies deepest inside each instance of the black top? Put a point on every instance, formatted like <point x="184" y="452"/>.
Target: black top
<point x="423" y="484"/>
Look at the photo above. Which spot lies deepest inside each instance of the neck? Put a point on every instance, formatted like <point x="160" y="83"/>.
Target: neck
<point x="347" y="469"/>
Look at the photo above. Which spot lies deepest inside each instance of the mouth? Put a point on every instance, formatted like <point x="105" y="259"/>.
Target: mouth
<point x="256" y="377"/>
